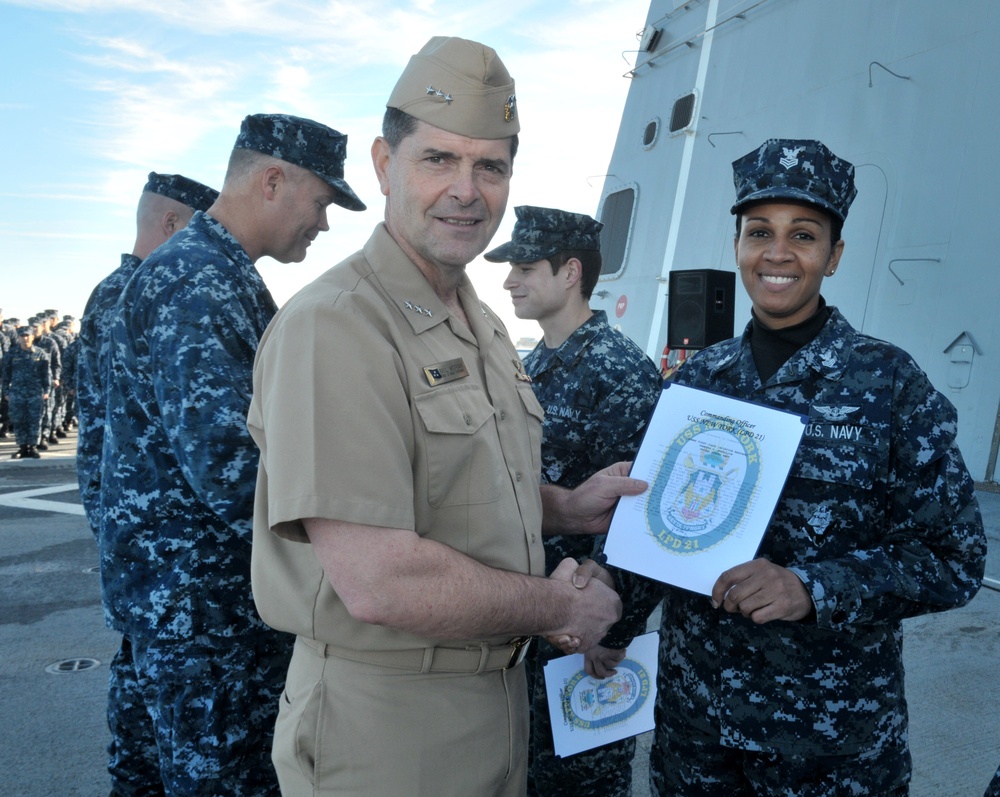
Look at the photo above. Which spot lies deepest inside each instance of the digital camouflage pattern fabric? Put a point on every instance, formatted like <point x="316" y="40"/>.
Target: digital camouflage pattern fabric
<point x="182" y="189"/>
<point x="700" y="767"/>
<point x="598" y="390"/>
<point x="795" y="169"/>
<point x="178" y="471"/>
<point x="95" y="328"/>
<point x="179" y="465"/>
<point x="133" y="759"/>
<point x="26" y="377"/>
<point x="220" y="744"/>
<point x="993" y="790"/>
<point x="540" y="233"/>
<point x="305" y="143"/>
<point x="879" y="520"/>
<point x="50" y="346"/>
<point x="67" y="406"/>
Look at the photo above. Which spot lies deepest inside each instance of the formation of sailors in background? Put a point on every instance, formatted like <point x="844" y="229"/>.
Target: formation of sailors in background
<point x="37" y="381"/>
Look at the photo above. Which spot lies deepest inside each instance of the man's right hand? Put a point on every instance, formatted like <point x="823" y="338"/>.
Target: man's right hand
<point x="588" y="507"/>
<point x="596" y="607"/>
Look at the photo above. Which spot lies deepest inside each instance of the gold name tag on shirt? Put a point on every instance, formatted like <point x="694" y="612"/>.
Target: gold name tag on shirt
<point x="444" y="372"/>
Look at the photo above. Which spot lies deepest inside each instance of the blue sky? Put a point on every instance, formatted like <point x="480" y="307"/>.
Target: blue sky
<point x="94" y="94"/>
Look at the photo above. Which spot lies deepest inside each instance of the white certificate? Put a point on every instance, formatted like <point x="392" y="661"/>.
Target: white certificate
<point x="588" y="712"/>
<point x="716" y="466"/>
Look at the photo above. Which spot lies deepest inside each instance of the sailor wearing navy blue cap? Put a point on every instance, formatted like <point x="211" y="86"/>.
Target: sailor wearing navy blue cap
<point x="165" y="206"/>
<point x="43" y="340"/>
<point x="178" y="466"/>
<point x="789" y="680"/>
<point x="598" y="389"/>
<point x="304" y="143"/>
<point x="795" y="169"/>
<point x="26" y="380"/>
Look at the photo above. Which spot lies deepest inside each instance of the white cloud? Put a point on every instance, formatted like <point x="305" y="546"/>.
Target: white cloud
<point x="143" y="86"/>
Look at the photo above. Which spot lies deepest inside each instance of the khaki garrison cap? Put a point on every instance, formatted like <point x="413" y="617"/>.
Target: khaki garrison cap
<point x="460" y="86"/>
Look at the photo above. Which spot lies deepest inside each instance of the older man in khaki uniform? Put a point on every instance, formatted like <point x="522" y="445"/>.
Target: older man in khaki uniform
<point x="398" y="517"/>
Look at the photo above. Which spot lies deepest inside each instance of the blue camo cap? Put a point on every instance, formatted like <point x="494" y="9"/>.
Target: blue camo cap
<point x="182" y="189"/>
<point x="799" y="169"/>
<point x="540" y="233"/>
<point x="302" y="142"/>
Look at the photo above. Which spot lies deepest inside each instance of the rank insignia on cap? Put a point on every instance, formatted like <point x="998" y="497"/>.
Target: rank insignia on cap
<point x="801" y="170"/>
<point x="509" y="108"/>
<point x="435" y="92"/>
<point x="791" y="157"/>
<point x="476" y="79"/>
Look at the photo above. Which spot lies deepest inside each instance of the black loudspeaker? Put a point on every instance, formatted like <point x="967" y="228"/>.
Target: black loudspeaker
<point x="699" y="308"/>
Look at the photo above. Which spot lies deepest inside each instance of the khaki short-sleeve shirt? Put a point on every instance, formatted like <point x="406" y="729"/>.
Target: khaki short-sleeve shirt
<point x="373" y="405"/>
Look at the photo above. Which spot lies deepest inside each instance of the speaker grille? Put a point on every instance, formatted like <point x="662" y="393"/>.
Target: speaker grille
<point x="687" y="318"/>
<point x="699" y="308"/>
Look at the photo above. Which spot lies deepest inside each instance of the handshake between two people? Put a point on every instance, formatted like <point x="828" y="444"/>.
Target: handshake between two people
<point x="594" y="607"/>
<point x="760" y="590"/>
<point x="598" y="607"/>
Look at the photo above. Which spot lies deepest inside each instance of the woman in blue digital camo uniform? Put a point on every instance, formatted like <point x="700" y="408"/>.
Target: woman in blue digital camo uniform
<point x="789" y="680"/>
<point x="27" y="381"/>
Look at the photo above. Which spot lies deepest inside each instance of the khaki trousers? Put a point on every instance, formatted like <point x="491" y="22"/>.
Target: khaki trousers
<point x="349" y="728"/>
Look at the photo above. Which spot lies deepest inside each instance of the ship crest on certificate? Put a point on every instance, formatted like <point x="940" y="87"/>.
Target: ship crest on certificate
<point x="703" y="487"/>
<point x="591" y="704"/>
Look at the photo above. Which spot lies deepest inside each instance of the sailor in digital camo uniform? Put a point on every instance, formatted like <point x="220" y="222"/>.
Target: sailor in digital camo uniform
<point x="598" y="389"/>
<point x="44" y="341"/>
<point x="165" y="206"/>
<point x="27" y="381"/>
<point x="794" y="683"/>
<point x="178" y="464"/>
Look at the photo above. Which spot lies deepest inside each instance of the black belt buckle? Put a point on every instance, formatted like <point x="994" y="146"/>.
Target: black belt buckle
<point x="520" y="650"/>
